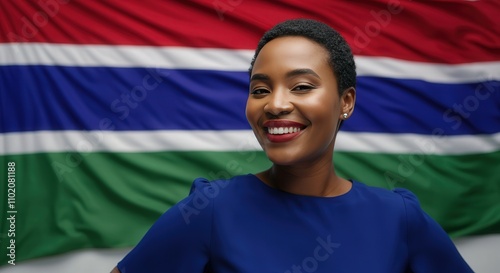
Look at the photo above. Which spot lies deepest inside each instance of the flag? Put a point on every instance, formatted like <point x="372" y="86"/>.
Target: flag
<point x="110" y="109"/>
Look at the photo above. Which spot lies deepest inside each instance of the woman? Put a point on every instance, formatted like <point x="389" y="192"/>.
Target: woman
<point x="298" y="216"/>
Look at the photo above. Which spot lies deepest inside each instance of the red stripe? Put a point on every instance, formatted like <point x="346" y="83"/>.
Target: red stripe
<point x="439" y="32"/>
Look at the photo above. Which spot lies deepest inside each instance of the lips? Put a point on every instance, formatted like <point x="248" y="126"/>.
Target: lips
<point x="282" y="130"/>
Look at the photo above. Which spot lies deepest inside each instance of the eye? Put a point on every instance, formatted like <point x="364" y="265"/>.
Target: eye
<point x="259" y="91"/>
<point x="303" y="87"/>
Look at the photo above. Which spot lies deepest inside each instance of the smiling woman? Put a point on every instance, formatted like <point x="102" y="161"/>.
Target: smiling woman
<point x="293" y="86"/>
<point x="299" y="215"/>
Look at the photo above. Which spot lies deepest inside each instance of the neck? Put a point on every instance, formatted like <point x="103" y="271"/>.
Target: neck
<point x="317" y="178"/>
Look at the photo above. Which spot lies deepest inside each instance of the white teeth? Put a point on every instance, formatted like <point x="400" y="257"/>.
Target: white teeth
<point x="282" y="130"/>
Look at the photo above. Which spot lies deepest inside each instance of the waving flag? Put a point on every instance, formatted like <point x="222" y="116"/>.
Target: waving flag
<point x="109" y="110"/>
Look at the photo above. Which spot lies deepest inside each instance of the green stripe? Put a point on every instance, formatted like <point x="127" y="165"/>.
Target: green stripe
<point x="461" y="192"/>
<point x="67" y="201"/>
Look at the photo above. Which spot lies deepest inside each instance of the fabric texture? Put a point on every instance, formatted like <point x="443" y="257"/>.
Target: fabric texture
<point x="110" y="109"/>
<point x="243" y="225"/>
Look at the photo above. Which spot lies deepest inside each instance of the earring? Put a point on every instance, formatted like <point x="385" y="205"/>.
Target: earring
<point x="345" y="115"/>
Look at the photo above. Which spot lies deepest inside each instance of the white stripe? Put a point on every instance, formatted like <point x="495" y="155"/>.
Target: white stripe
<point x="480" y="252"/>
<point x="440" y="73"/>
<point x="226" y="59"/>
<point x="81" y="261"/>
<point x="124" y="56"/>
<point x="239" y="140"/>
<point x="127" y="141"/>
<point x="418" y="144"/>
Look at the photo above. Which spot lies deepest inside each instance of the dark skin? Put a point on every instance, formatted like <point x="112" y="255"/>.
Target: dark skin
<point x="292" y="81"/>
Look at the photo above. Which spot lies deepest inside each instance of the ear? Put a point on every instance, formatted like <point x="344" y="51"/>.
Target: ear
<point x="347" y="101"/>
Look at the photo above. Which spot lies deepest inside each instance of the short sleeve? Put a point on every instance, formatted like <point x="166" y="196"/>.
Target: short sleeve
<point x="429" y="246"/>
<point x="179" y="240"/>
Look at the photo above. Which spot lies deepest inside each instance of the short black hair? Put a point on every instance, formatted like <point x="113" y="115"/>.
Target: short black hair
<point x="341" y="59"/>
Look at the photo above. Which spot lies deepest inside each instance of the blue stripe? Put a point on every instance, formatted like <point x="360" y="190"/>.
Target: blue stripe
<point x="386" y="105"/>
<point x="76" y="98"/>
<point x="91" y="98"/>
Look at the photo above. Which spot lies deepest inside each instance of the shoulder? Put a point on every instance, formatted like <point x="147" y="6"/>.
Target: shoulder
<point x="399" y="197"/>
<point x="402" y="200"/>
<point x="398" y="204"/>
<point x="202" y="183"/>
<point x="224" y="187"/>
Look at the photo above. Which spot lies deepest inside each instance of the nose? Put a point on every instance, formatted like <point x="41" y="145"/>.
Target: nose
<point x="278" y="103"/>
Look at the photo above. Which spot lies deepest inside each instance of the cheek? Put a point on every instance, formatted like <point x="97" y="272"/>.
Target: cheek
<point x="321" y="109"/>
<point x="251" y="112"/>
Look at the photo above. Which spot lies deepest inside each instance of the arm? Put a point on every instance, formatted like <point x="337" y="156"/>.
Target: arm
<point x="178" y="241"/>
<point x="430" y="248"/>
<point x="115" y="270"/>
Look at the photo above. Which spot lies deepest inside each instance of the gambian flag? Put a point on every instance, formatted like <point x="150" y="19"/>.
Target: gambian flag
<point x="110" y="109"/>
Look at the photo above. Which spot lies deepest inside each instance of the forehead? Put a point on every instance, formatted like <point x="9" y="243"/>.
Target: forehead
<point x="293" y="52"/>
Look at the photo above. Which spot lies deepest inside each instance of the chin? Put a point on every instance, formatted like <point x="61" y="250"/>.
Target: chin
<point x="282" y="159"/>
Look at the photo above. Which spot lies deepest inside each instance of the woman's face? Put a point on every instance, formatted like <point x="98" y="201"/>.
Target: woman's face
<point x="294" y="106"/>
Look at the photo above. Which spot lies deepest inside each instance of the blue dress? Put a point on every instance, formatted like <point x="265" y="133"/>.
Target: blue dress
<point x="243" y="225"/>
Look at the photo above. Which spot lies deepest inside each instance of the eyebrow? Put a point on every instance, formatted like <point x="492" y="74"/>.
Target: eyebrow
<point x="290" y="74"/>
<point x="260" y="77"/>
<point x="302" y="71"/>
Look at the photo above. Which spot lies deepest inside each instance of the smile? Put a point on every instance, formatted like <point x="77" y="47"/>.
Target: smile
<point x="282" y="130"/>
<point x="279" y="130"/>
